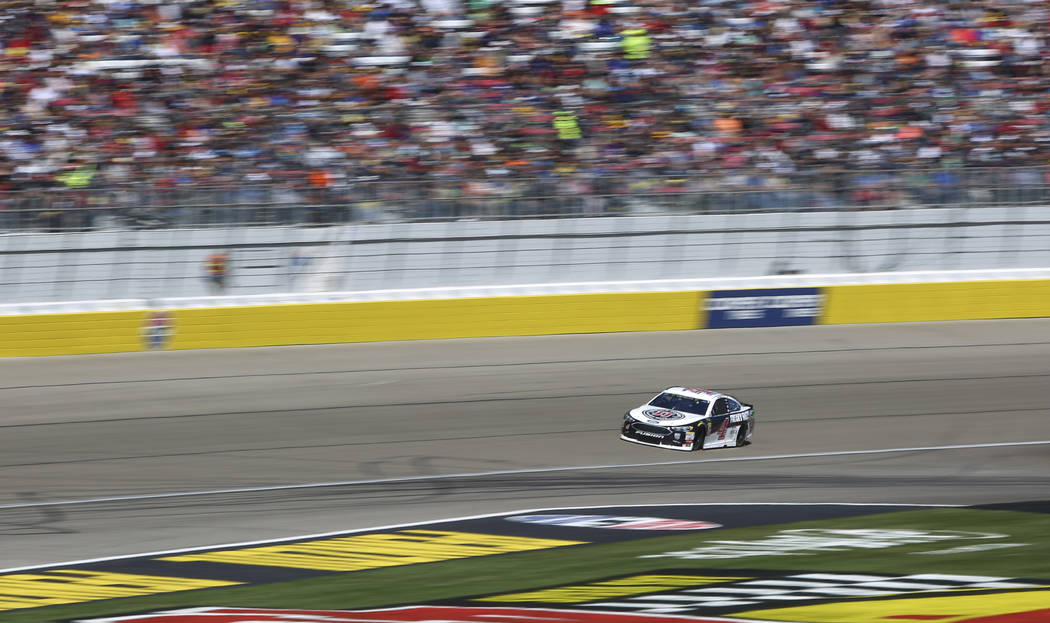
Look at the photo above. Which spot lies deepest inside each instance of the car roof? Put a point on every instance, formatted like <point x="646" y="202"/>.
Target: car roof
<point x="694" y="392"/>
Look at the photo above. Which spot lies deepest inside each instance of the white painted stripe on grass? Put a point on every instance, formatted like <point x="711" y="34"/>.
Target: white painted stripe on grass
<point x="508" y="472"/>
<point x="429" y="522"/>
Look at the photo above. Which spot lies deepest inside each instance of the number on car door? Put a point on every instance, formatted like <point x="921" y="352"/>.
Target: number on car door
<point x="720" y="420"/>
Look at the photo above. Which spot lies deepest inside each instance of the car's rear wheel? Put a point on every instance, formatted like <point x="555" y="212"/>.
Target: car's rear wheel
<point x="741" y="436"/>
<point x="698" y="441"/>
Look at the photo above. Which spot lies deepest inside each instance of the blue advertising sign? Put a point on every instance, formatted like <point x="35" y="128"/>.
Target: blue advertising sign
<point x="780" y="307"/>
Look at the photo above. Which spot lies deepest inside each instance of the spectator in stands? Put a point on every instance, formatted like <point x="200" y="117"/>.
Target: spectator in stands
<point x="217" y="271"/>
<point x="192" y="93"/>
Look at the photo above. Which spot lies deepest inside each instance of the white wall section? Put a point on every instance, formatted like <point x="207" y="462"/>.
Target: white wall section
<point x="152" y="264"/>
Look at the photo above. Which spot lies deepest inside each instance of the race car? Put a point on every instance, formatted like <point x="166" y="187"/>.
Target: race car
<point x="686" y="418"/>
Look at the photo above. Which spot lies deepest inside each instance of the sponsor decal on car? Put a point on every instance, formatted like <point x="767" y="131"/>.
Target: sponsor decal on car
<point x="662" y="414"/>
<point x="804" y="542"/>
<point x="615" y="522"/>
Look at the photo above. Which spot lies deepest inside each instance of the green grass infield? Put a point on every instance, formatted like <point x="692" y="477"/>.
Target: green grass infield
<point x="1022" y="551"/>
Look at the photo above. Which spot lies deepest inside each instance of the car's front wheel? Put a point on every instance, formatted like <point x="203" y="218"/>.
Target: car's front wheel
<point x="698" y="440"/>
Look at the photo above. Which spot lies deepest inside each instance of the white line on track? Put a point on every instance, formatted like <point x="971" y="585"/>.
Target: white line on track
<point x="510" y="472"/>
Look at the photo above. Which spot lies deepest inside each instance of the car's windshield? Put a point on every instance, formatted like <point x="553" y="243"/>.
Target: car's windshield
<point x="680" y="403"/>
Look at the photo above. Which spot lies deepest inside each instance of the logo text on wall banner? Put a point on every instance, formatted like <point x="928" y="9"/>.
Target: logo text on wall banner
<point x="774" y="307"/>
<point x="157" y="329"/>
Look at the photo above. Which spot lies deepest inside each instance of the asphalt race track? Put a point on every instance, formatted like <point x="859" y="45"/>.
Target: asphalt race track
<point x="415" y="430"/>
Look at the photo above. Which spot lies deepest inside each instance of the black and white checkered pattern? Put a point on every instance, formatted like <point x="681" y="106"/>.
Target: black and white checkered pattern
<point x="802" y="587"/>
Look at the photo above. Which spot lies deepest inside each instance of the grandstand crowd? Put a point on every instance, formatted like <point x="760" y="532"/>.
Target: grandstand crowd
<point x="171" y="93"/>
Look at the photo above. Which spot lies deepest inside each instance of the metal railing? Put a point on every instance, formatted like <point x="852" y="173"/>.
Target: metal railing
<point x="645" y="191"/>
<point x="139" y="242"/>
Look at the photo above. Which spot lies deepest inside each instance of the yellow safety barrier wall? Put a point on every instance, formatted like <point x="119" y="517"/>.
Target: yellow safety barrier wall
<point x="71" y="334"/>
<point x="914" y="302"/>
<point x="435" y="319"/>
<point x="322" y="323"/>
